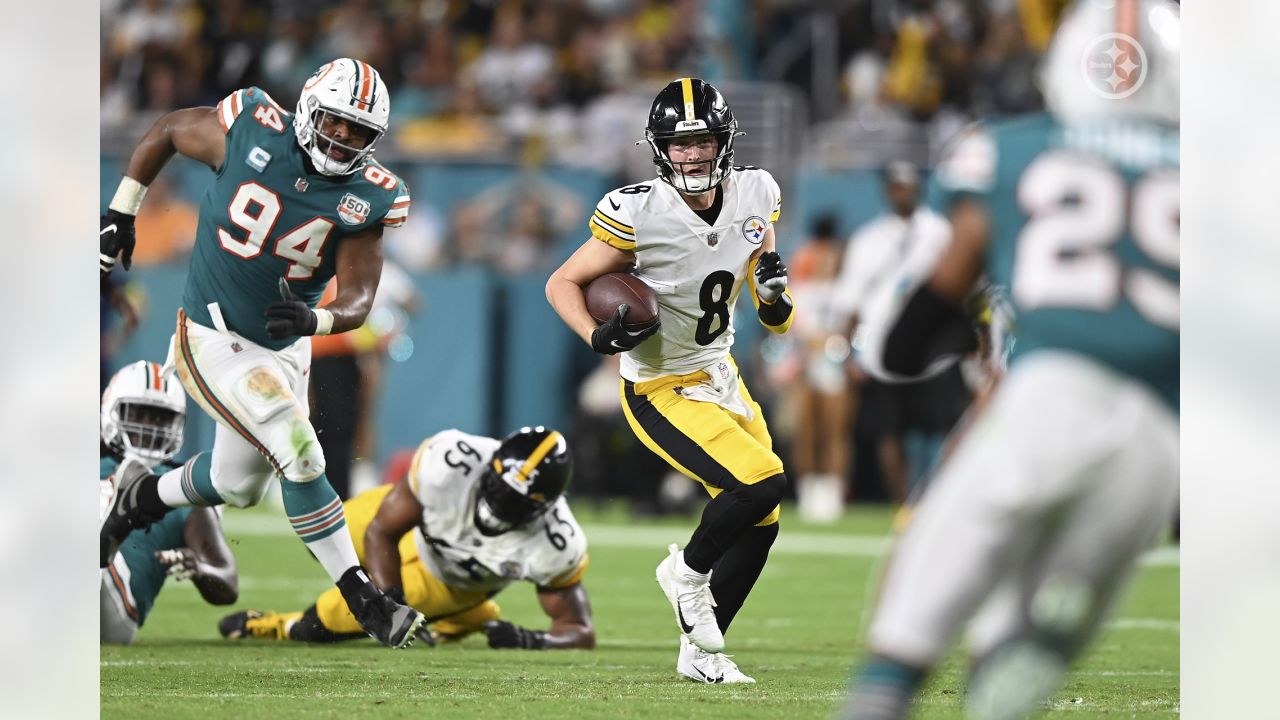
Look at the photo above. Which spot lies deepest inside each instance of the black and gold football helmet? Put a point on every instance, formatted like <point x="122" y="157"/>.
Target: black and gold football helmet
<point x="686" y="107"/>
<point x="526" y="475"/>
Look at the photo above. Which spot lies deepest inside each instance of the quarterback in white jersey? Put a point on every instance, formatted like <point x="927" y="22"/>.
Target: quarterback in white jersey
<point x="696" y="234"/>
<point x="474" y="515"/>
<point x="697" y="281"/>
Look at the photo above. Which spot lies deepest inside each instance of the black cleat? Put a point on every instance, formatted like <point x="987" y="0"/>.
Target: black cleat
<point x="389" y="622"/>
<point x="125" y="515"/>
<point x="386" y="620"/>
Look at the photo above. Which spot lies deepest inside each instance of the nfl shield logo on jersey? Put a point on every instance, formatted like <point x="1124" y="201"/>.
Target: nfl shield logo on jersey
<point x="713" y="239"/>
<point x="511" y="569"/>
<point x="353" y="210"/>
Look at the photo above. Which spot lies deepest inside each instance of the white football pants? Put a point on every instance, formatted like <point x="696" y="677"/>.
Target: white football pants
<point x="1060" y="484"/>
<point x="259" y="399"/>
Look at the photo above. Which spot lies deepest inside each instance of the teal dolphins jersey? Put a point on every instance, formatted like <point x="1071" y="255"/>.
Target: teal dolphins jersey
<point x="146" y="574"/>
<point x="266" y="216"/>
<point x="1084" y="236"/>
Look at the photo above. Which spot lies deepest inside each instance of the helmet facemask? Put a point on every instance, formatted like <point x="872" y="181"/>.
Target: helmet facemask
<point x="673" y="173"/>
<point x="347" y="89"/>
<point x="143" y="413"/>
<point x="151" y="432"/>
<point x="500" y="507"/>
<point x="318" y="145"/>
<point x="527" y="473"/>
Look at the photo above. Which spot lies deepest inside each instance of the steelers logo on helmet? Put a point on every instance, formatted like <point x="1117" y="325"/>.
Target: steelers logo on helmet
<point x="144" y="413"/>
<point x="691" y="108"/>
<point x="526" y="475"/>
<point x="342" y="112"/>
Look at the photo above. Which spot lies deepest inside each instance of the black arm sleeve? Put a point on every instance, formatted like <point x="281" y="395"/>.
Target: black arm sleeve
<point x="928" y="327"/>
<point x="776" y="314"/>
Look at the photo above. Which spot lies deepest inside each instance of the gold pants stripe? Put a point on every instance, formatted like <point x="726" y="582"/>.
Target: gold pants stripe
<point x="718" y="448"/>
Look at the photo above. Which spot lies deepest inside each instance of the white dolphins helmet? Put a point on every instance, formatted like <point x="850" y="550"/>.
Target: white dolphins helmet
<point x="1115" y="58"/>
<point x="349" y="89"/>
<point x="143" y="413"/>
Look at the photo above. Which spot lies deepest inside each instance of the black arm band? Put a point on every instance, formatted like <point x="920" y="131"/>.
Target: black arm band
<point x="777" y="313"/>
<point x="928" y="327"/>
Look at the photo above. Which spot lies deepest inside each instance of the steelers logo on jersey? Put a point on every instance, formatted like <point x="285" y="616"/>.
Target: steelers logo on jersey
<point x="753" y="229"/>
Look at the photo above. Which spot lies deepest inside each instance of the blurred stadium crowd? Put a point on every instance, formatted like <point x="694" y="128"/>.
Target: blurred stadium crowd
<point x="487" y="77"/>
<point x="830" y="92"/>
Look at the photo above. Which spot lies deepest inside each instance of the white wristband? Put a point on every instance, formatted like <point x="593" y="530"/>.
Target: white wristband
<point x="128" y="196"/>
<point x="324" y="321"/>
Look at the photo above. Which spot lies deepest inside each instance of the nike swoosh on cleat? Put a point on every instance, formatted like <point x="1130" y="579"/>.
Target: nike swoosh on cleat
<point x="705" y="676"/>
<point x="615" y="205"/>
<point x="686" y="627"/>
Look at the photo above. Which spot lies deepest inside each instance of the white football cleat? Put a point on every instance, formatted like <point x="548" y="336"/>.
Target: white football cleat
<point x="710" y="668"/>
<point x="693" y="604"/>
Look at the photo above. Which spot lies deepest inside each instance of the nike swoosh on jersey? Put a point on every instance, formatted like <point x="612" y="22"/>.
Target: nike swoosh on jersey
<point x="686" y="627"/>
<point x="110" y="228"/>
<point x="615" y="205"/>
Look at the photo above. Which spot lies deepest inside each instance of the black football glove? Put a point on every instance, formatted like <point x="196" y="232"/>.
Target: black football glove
<point x="116" y="237"/>
<point x="290" y="317"/>
<point x="771" y="277"/>
<point x="503" y="634"/>
<point x="612" y="338"/>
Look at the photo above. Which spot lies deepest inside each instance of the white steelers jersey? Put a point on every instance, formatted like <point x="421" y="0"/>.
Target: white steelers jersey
<point x="695" y="269"/>
<point x="445" y="477"/>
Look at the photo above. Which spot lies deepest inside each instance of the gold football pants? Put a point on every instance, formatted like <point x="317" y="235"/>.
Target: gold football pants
<point x="711" y="444"/>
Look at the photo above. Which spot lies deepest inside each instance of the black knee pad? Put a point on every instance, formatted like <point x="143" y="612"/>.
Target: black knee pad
<point x="767" y="493"/>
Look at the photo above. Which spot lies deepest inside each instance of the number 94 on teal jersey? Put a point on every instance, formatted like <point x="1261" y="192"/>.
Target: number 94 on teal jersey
<point x="267" y="215"/>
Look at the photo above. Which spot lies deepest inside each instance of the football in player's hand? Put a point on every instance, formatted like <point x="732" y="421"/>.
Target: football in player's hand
<point x="607" y="292"/>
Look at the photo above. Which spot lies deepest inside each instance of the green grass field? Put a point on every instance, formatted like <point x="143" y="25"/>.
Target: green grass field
<point x="798" y="635"/>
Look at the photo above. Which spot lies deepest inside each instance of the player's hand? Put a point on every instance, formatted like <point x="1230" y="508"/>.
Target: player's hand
<point x="115" y="237"/>
<point x="771" y="277"/>
<point x="290" y="317"/>
<point x="503" y="634"/>
<point x="612" y="338"/>
<point x="180" y="564"/>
